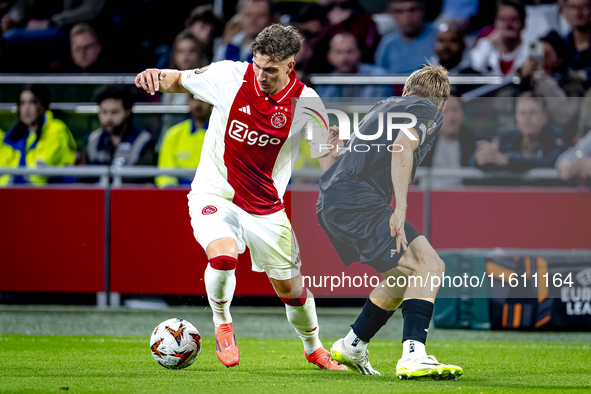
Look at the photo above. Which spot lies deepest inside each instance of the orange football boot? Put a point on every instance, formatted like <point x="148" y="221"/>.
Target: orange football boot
<point x="321" y="357"/>
<point x="225" y="345"/>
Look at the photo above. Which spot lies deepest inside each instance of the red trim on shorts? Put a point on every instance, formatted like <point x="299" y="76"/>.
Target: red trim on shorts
<point x="300" y="301"/>
<point x="223" y="263"/>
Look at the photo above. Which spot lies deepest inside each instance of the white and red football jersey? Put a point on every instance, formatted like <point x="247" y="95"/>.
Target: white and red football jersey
<point x="253" y="139"/>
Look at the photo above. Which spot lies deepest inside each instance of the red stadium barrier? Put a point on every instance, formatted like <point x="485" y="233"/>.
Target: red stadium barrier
<point x="511" y="218"/>
<point x="153" y="250"/>
<point x="52" y="240"/>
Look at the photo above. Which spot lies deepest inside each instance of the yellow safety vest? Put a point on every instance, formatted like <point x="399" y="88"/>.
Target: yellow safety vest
<point x="304" y="159"/>
<point x="55" y="147"/>
<point x="181" y="149"/>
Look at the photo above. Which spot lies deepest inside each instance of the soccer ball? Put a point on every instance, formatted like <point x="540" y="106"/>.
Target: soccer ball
<point x="175" y="343"/>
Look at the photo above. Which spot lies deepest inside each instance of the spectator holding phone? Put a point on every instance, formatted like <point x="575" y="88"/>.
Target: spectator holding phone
<point x="544" y="72"/>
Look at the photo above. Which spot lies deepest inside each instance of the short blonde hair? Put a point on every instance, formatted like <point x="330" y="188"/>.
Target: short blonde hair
<point x="430" y="81"/>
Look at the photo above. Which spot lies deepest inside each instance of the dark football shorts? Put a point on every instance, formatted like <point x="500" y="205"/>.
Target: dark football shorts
<point x="360" y="232"/>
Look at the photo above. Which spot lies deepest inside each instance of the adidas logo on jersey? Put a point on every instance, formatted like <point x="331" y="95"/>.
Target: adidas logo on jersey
<point x="246" y="109"/>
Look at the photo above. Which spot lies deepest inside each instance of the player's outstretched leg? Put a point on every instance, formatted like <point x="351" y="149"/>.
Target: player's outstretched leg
<point x="352" y="350"/>
<point x="302" y="316"/>
<point x="220" y="283"/>
<point x="421" y="260"/>
<point x="301" y="313"/>
<point x="415" y="363"/>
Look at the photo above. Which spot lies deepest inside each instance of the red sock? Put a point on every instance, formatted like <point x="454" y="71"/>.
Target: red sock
<point x="223" y="263"/>
<point x="300" y="301"/>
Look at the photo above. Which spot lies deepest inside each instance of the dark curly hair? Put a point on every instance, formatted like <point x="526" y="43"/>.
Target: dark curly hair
<point x="116" y="92"/>
<point x="278" y="42"/>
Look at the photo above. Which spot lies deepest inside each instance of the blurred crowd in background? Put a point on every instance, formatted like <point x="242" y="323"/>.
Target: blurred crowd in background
<point x="544" y="45"/>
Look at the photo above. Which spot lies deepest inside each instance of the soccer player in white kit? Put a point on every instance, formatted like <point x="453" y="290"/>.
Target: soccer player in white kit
<point x="246" y="162"/>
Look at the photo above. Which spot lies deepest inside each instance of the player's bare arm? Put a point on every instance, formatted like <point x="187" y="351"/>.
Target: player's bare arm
<point x="402" y="162"/>
<point x="154" y="80"/>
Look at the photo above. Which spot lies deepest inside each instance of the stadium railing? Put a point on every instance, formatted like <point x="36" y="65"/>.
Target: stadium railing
<point x="317" y="79"/>
<point x="67" y="79"/>
<point x="92" y="108"/>
<point x="119" y="173"/>
<point x="485" y="85"/>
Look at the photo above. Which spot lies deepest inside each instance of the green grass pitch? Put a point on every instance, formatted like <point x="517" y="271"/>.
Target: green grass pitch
<point x="81" y="364"/>
<point x="108" y="352"/>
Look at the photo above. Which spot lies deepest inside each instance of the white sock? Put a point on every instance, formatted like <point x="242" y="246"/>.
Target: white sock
<point x="413" y="349"/>
<point x="220" y="286"/>
<point x="354" y="344"/>
<point x="304" y="321"/>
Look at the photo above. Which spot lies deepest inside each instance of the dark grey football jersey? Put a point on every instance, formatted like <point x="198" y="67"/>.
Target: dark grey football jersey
<point x="365" y="163"/>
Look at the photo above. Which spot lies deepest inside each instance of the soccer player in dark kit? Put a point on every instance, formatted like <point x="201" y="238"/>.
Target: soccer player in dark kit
<point x="354" y="210"/>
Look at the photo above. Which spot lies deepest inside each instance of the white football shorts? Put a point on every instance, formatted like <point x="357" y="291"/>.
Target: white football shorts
<point x="270" y="238"/>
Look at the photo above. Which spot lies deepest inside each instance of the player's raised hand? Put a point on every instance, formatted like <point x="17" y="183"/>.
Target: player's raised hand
<point x="334" y="135"/>
<point x="397" y="221"/>
<point x="333" y="140"/>
<point x="149" y="80"/>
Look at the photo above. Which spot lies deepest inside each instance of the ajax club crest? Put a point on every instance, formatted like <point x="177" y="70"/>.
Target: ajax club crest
<point x="209" y="210"/>
<point x="278" y="120"/>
